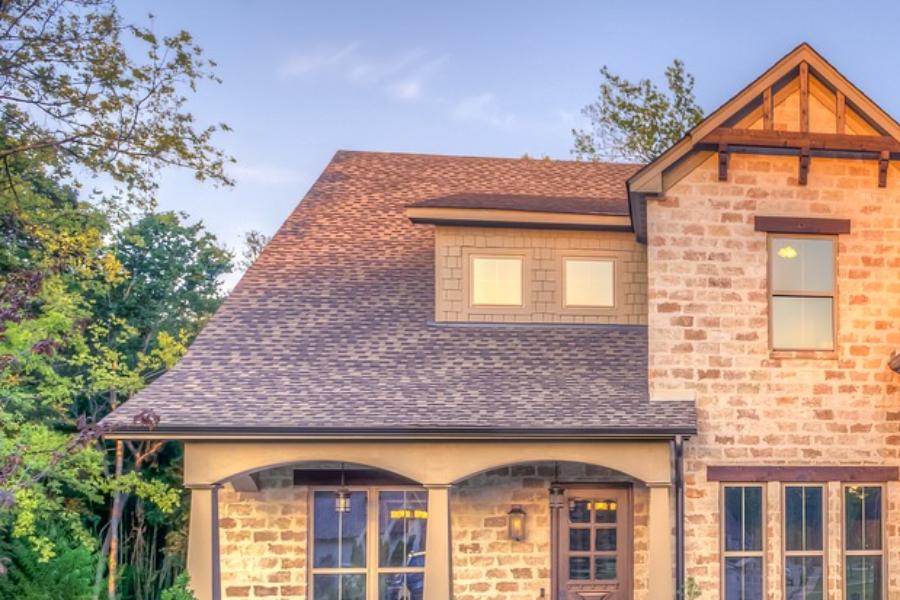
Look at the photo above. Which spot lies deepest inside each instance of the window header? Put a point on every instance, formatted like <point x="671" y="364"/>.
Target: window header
<point x="802" y="225"/>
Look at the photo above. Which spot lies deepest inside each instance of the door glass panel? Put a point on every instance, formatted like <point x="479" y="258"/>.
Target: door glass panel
<point x="339" y="538"/>
<point x="401" y="586"/>
<point x="580" y="540"/>
<point x="863" y="577"/>
<point x="804" y="578"/>
<point x="743" y="578"/>
<point x="339" y="587"/>
<point x="605" y="567"/>
<point x="606" y="540"/>
<point x="579" y="511"/>
<point x="402" y="520"/>
<point x="605" y="511"/>
<point x="579" y="567"/>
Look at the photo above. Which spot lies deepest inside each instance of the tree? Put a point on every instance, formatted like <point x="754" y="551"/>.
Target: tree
<point x="254" y="243"/>
<point x="637" y="121"/>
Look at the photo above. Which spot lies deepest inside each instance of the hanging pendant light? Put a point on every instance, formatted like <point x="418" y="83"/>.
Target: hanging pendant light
<point x="557" y="494"/>
<point x="342" y="498"/>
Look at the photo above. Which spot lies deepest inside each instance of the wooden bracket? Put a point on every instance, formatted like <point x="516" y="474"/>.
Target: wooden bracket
<point x="804" y="97"/>
<point x="724" y="158"/>
<point x="804" y="166"/>
<point x="768" y="110"/>
<point x="841" y="112"/>
<point x="883" y="164"/>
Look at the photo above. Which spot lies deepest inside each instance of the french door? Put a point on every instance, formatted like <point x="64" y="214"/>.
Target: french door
<point x="593" y="544"/>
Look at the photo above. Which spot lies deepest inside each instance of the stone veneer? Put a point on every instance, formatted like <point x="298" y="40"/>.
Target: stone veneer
<point x="543" y="251"/>
<point x="264" y="535"/>
<point x="708" y="311"/>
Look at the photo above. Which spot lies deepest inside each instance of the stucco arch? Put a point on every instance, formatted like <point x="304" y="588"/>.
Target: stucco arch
<point x="427" y="462"/>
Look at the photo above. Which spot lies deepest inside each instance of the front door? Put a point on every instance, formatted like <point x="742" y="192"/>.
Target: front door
<point x="593" y="543"/>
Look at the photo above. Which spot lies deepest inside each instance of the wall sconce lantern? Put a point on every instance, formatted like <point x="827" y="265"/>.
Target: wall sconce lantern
<point x="516" y="518"/>
<point x="342" y="498"/>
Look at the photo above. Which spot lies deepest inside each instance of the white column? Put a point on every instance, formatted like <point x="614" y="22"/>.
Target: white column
<point x="438" y="580"/>
<point x="203" y="543"/>
<point x="661" y="559"/>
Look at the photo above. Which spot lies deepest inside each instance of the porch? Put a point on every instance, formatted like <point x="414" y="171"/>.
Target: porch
<point x="253" y="504"/>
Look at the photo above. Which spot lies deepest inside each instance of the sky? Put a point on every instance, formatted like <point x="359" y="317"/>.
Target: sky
<point x="303" y="79"/>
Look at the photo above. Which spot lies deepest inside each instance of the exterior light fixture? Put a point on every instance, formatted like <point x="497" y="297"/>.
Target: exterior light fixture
<point x="557" y="497"/>
<point x="342" y="498"/>
<point x="516" y="518"/>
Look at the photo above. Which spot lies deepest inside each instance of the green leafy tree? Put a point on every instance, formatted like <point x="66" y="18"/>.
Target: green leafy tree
<point x="637" y="121"/>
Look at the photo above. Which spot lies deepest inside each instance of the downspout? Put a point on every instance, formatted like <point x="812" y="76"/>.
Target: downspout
<point x="679" y="517"/>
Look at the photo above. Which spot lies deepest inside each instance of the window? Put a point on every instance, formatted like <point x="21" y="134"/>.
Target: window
<point x="496" y="280"/>
<point x="378" y="545"/>
<point x="802" y="287"/>
<point x="804" y="542"/>
<point x="589" y="282"/>
<point x="742" y="543"/>
<point x="863" y="546"/>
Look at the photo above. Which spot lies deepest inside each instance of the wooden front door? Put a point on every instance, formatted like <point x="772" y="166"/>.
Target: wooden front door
<point x="593" y="543"/>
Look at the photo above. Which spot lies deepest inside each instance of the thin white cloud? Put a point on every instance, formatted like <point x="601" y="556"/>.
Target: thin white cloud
<point x="321" y="59"/>
<point x="483" y="108"/>
<point x="406" y="90"/>
<point x="266" y="174"/>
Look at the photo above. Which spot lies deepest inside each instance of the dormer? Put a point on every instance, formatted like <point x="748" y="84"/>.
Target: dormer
<point x="534" y="259"/>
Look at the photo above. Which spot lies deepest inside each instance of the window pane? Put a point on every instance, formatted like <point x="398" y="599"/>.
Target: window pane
<point x="803" y="518"/>
<point x="605" y="567"/>
<point x="743" y="578"/>
<point x="579" y="511"/>
<point x="802" y="265"/>
<point x="580" y="540"/>
<point x="402" y="519"/>
<point x="872" y="521"/>
<point x="804" y="578"/>
<point x="802" y="323"/>
<point x="605" y="511"/>
<point x="339" y="587"/>
<point x="862" y="518"/>
<point x="401" y="586"/>
<point x="339" y="538"/>
<point x="589" y="282"/>
<point x="579" y="567"/>
<point x="863" y="577"/>
<point x="497" y="281"/>
<point x="606" y="540"/>
<point x="753" y="522"/>
<point x="734" y="511"/>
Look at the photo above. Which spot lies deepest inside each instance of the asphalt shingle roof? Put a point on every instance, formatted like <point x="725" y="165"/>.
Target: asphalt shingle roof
<point x="529" y="202"/>
<point x="332" y="329"/>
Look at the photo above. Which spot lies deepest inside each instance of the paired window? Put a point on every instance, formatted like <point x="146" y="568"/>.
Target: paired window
<point x="589" y="283"/>
<point x="497" y="280"/>
<point x="374" y="550"/>
<point x="804" y="522"/>
<point x="802" y="288"/>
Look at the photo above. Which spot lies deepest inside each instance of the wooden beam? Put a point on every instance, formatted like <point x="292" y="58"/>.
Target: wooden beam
<point x="883" y="164"/>
<point x="811" y="225"/>
<point x="768" y="110"/>
<point x="804" y="474"/>
<point x="804" y="97"/>
<point x="803" y="174"/>
<point x="797" y="140"/>
<point x="840" y="110"/>
<point x="724" y="157"/>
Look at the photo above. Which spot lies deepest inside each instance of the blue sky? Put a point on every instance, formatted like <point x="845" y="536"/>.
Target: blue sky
<point x="304" y="79"/>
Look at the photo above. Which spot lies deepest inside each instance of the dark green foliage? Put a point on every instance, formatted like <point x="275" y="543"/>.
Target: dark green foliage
<point x="67" y="576"/>
<point x="178" y="591"/>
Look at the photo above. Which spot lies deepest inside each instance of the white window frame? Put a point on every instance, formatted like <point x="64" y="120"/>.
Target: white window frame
<point x="823" y="553"/>
<point x="882" y="553"/>
<point x="590" y="258"/>
<point x="726" y="554"/>
<point x="372" y="570"/>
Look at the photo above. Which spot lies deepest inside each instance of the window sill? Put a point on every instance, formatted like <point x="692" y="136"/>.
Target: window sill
<point x="804" y="354"/>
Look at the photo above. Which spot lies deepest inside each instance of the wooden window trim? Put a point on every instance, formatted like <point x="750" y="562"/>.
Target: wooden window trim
<point x="882" y="552"/>
<point x="372" y="570"/>
<point x="772" y="293"/>
<point x="469" y="255"/>
<point x="801" y="474"/>
<point x="618" y="282"/>
<point x="785" y="553"/>
<point x="726" y="554"/>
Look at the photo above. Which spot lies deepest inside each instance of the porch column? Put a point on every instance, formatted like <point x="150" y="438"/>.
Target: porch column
<point x="438" y="579"/>
<point x="203" y="542"/>
<point x="661" y="559"/>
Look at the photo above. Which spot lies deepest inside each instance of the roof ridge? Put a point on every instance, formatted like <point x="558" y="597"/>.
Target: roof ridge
<point x="344" y="151"/>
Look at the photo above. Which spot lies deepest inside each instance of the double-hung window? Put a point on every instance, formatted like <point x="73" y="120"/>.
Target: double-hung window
<point x="802" y="288"/>
<point x="804" y="542"/>
<point x="743" y="542"/>
<point x="863" y="542"/>
<point x="374" y="551"/>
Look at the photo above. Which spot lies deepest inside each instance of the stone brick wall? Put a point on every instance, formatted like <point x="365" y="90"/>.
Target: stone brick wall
<point x="264" y="535"/>
<point x="543" y="251"/>
<point x="708" y="320"/>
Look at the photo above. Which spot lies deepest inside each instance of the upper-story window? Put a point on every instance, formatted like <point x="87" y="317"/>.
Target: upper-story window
<point x="589" y="282"/>
<point x="496" y="280"/>
<point x="802" y="288"/>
